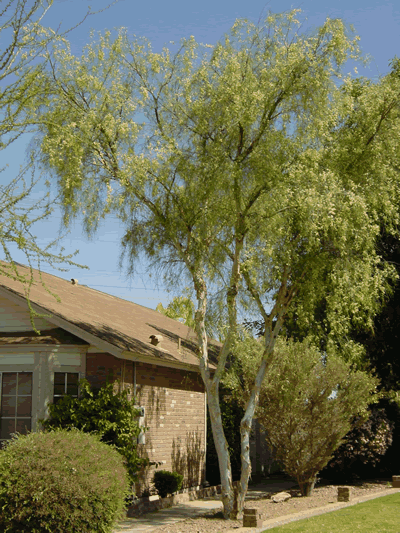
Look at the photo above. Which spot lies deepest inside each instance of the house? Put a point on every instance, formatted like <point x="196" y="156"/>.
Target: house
<point x="94" y="335"/>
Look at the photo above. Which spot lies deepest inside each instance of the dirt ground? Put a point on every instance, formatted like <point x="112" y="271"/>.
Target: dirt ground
<point x="322" y="495"/>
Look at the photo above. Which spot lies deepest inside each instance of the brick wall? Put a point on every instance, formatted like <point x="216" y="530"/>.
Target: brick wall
<point x="174" y="403"/>
<point x="102" y="368"/>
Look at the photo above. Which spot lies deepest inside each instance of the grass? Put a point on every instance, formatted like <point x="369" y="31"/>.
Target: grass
<point x="379" y="515"/>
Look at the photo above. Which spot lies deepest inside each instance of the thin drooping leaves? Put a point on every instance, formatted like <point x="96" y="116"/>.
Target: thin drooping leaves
<point x="252" y="169"/>
<point x="23" y="43"/>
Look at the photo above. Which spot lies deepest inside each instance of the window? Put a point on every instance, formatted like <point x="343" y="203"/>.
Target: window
<point x="16" y="403"/>
<point x="65" y="383"/>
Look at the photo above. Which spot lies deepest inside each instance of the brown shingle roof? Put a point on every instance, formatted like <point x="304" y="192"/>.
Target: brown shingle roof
<point x="123" y="325"/>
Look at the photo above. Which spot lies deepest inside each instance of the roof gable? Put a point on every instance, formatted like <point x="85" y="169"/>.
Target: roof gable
<point x="113" y="324"/>
<point x="49" y="336"/>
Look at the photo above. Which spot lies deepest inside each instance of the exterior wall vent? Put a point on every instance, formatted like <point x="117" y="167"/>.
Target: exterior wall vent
<point x="141" y="411"/>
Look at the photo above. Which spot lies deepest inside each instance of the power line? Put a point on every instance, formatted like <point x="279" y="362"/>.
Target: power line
<point x="125" y="288"/>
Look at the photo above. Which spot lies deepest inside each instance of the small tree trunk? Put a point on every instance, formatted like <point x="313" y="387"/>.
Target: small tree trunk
<point x="235" y="506"/>
<point x="240" y="493"/>
<point x="245" y="429"/>
<point x="212" y="388"/>
<point x="306" y="487"/>
<point x="222" y="449"/>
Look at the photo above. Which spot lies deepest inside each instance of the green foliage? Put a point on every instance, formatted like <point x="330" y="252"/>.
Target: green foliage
<point x="198" y="183"/>
<point x="307" y="404"/>
<point x="61" y="480"/>
<point x="382" y="340"/>
<point x="110" y="414"/>
<point x="167" y="482"/>
<point x="23" y="40"/>
<point x="390" y="462"/>
<point x="291" y="131"/>
<point x="21" y="47"/>
<point x="180" y="308"/>
<point x="255" y="170"/>
<point x="365" y="444"/>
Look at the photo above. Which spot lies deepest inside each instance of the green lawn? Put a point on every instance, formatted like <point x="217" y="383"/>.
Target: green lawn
<point x="380" y="515"/>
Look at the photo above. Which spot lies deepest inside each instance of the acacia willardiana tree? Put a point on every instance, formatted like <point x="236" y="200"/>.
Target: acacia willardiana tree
<point x="23" y="42"/>
<point x="245" y="168"/>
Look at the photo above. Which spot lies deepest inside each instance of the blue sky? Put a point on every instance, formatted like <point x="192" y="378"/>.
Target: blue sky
<point x="377" y="22"/>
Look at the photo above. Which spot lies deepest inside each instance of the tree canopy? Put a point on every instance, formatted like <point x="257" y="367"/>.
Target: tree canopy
<point x="253" y="169"/>
<point x="382" y="340"/>
<point x="22" y="64"/>
<point x="180" y="308"/>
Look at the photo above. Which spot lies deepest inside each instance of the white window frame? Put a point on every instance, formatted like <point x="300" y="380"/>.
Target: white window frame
<point x="65" y="384"/>
<point x="1" y="394"/>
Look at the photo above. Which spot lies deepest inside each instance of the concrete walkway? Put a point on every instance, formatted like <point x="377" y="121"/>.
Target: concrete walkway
<point x="149" y="521"/>
<point x="165" y="517"/>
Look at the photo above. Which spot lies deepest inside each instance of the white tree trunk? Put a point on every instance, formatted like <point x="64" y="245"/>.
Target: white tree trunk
<point x="245" y="429"/>
<point x="222" y="449"/>
<point x="246" y="422"/>
<point x="212" y="389"/>
<point x="232" y="500"/>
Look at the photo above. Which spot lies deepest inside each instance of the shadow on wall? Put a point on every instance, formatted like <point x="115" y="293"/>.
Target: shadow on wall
<point x="188" y="459"/>
<point x="155" y="406"/>
<point x="144" y="485"/>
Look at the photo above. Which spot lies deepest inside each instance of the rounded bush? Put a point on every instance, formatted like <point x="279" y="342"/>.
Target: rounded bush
<point x="167" y="482"/>
<point x="62" y="480"/>
<point x="105" y="411"/>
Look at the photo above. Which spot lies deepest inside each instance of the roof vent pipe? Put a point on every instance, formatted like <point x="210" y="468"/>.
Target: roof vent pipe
<point x="155" y="339"/>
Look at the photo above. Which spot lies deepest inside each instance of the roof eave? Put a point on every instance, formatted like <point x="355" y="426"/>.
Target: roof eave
<point x="92" y="340"/>
<point x="153" y="360"/>
<point x="63" y="323"/>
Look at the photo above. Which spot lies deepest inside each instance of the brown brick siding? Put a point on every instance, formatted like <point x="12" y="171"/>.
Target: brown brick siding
<point x="174" y="403"/>
<point x="104" y="367"/>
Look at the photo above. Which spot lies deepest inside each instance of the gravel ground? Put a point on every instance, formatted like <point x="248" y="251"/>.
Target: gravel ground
<point x="322" y="495"/>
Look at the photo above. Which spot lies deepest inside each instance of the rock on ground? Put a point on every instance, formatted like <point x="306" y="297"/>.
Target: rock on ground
<point x="281" y="497"/>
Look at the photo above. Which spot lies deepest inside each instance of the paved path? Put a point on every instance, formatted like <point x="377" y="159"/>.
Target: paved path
<point x="164" y="517"/>
<point x="149" y="521"/>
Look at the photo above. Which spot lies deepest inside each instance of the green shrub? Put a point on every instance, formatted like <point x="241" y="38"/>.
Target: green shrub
<point x="306" y="404"/>
<point x="167" y="482"/>
<point x="365" y="444"/>
<point x="61" y="480"/>
<point x="112" y="415"/>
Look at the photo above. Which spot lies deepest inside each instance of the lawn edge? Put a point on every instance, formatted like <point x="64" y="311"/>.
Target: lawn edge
<point x="286" y="519"/>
